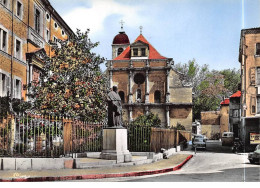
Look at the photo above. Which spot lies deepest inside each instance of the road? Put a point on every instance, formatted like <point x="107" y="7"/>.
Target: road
<point x="215" y="164"/>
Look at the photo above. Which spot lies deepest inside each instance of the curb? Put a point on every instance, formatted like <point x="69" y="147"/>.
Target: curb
<point x="97" y="176"/>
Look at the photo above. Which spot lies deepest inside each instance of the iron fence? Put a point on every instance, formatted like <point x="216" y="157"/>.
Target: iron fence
<point x="29" y="135"/>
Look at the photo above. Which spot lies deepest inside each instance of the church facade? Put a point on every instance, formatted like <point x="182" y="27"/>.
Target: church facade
<point x="147" y="83"/>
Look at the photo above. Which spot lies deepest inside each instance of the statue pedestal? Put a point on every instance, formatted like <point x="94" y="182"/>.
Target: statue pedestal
<point x="115" y="145"/>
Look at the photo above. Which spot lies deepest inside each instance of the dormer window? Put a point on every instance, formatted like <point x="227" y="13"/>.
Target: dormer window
<point x="139" y="50"/>
<point x="135" y="51"/>
<point x="143" y="52"/>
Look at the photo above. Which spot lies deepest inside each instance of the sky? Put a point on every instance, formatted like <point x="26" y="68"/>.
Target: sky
<point x="205" y="30"/>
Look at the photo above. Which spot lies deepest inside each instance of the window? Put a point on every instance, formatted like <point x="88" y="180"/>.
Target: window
<point x="37" y="20"/>
<point x="47" y="35"/>
<point x="139" y="78"/>
<point x="258" y="105"/>
<point x="62" y="32"/>
<point x="55" y="25"/>
<point x="18" y="49"/>
<point x="17" y="88"/>
<point x="122" y="96"/>
<point x="19" y="9"/>
<point x="55" y="39"/>
<point x="257" y="51"/>
<point x="258" y="75"/>
<point x="135" y="52"/>
<point x="157" y="96"/>
<point x="5" y="2"/>
<point x="253" y="105"/>
<point x="119" y="51"/>
<point x="235" y="113"/>
<point x="47" y="16"/>
<point x="138" y="95"/>
<point x="143" y="51"/>
<point x="3" y="40"/>
<point x="4" y="84"/>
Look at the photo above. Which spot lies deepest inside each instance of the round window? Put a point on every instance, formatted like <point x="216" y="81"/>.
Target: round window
<point x="47" y="16"/>
<point x="55" y="25"/>
<point x="139" y="78"/>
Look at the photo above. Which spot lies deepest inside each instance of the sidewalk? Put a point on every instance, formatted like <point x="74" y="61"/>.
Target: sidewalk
<point x="175" y="162"/>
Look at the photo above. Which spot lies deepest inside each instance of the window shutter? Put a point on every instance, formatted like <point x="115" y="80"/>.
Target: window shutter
<point x="14" y="88"/>
<point x="8" y="83"/>
<point x="253" y="105"/>
<point x="252" y="76"/>
<point x="258" y="75"/>
<point x="258" y="105"/>
<point x="20" y="89"/>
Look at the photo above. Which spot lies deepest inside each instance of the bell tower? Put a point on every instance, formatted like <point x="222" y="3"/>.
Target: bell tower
<point x="120" y="42"/>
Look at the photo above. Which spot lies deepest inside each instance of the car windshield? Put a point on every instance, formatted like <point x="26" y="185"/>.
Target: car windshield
<point x="198" y="140"/>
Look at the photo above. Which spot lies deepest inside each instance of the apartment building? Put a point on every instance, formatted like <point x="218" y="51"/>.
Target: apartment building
<point x="249" y="58"/>
<point x="26" y="29"/>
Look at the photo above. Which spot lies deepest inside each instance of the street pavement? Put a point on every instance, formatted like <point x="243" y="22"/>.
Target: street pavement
<point x="215" y="164"/>
<point x="173" y="163"/>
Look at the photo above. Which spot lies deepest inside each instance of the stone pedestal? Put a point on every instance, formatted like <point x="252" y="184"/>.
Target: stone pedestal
<point x="115" y="145"/>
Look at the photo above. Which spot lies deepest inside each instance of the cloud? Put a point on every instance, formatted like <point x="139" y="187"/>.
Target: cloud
<point x="93" y="17"/>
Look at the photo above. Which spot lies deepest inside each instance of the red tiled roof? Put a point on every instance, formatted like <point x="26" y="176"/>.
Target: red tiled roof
<point x="237" y="94"/>
<point x="226" y="101"/>
<point x="153" y="53"/>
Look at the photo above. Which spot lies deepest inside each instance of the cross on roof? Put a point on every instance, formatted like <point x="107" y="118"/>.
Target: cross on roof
<point x="141" y="29"/>
<point x="122" y="24"/>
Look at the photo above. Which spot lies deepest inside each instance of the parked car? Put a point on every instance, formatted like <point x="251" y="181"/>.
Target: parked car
<point x="254" y="157"/>
<point x="227" y="139"/>
<point x="199" y="142"/>
<point x="199" y="136"/>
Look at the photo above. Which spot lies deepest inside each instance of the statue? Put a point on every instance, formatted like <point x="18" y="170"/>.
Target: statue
<point x="114" y="108"/>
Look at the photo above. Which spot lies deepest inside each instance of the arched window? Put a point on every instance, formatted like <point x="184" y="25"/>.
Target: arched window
<point x="138" y="94"/>
<point x="122" y="96"/>
<point x="119" y="51"/>
<point x="157" y="96"/>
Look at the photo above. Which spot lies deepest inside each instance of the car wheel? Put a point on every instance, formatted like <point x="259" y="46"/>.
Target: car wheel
<point x="252" y="161"/>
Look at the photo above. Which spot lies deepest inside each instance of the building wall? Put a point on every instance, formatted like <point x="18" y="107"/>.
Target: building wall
<point x="210" y="123"/>
<point x="182" y="115"/>
<point x="210" y="118"/>
<point x="21" y="29"/>
<point x="224" y="118"/>
<point x="251" y="62"/>
<point x="210" y="131"/>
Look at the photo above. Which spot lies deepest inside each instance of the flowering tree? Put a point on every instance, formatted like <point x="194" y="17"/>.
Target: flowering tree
<point x="71" y="82"/>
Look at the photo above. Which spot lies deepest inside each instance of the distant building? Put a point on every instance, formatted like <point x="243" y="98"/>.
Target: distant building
<point x="26" y="27"/>
<point x="234" y="114"/>
<point x="249" y="58"/>
<point x="224" y="116"/>
<point x="147" y="82"/>
<point x="210" y="124"/>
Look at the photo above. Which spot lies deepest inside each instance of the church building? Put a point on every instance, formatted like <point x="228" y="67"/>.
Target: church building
<point x="147" y="82"/>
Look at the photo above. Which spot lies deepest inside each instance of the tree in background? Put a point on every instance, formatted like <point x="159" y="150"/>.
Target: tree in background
<point x="147" y="120"/>
<point x="209" y="87"/>
<point x="71" y="82"/>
